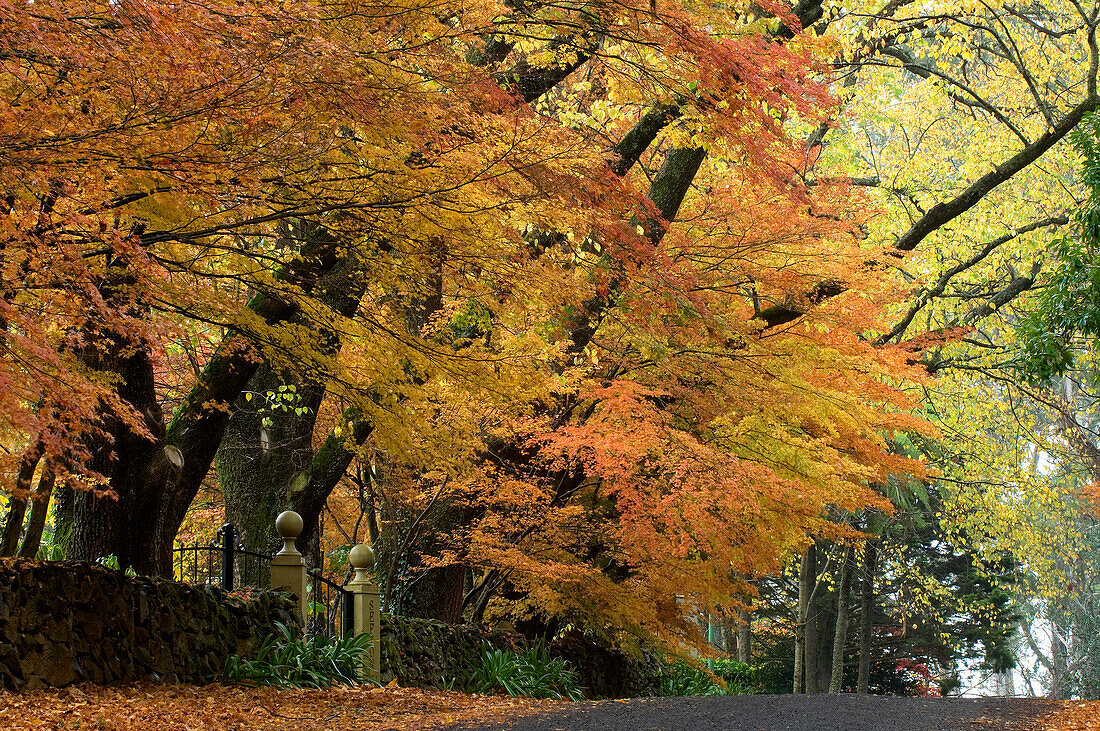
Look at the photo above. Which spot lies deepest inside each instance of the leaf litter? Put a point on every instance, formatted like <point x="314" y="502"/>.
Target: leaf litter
<point x="216" y="707"/>
<point x="210" y="707"/>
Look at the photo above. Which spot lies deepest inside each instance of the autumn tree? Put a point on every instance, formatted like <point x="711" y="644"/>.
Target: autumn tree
<point x="580" y="282"/>
<point x="631" y="343"/>
<point x="146" y="198"/>
<point x="976" y="216"/>
<point x="666" y="192"/>
<point x="340" y="253"/>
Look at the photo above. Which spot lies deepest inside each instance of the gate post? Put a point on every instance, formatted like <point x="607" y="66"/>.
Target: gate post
<point x="288" y="570"/>
<point x="229" y="545"/>
<point x="367" y="612"/>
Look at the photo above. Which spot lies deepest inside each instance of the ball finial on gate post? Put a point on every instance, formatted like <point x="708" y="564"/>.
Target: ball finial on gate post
<point x="361" y="558"/>
<point x="289" y="526"/>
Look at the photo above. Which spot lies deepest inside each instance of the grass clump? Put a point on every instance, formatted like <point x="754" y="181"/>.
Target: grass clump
<point x="532" y="673"/>
<point x="730" y="677"/>
<point x="741" y="678"/>
<point x="285" y="660"/>
<point x="683" y="679"/>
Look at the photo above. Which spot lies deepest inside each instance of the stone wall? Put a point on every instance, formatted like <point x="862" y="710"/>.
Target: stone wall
<point x="425" y="653"/>
<point x="610" y="672"/>
<point x="63" y="623"/>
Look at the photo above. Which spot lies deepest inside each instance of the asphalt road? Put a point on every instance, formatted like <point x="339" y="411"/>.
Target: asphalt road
<point x="784" y="713"/>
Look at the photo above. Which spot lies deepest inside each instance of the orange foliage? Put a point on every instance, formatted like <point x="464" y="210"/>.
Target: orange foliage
<point x="153" y="153"/>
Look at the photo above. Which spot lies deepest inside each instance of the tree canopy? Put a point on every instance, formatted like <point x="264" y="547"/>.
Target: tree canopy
<point x="590" y="313"/>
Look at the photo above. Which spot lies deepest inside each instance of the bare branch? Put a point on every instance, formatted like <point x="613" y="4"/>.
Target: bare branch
<point x="927" y="295"/>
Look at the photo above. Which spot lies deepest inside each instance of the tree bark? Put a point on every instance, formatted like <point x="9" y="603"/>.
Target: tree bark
<point x="744" y="636"/>
<point x="262" y="451"/>
<point x="17" y="506"/>
<point x="266" y="461"/>
<point x="672" y="182"/>
<point x="13" y="526"/>
<point x="155" y="476"/>
<point x="1058" y="660"/>
<point x="840" y="635"/>
<point x="40" y="506"/>
<point x="811" y="636"/>
<point x="806" y="575"/>
<point x="823" y="620"/>
<point x="118" y="523"/>
<point x="729" y="639"/>
<point x="641" y="136"/>
<point x="437" y="594"/>
<point x="866" y="616"/>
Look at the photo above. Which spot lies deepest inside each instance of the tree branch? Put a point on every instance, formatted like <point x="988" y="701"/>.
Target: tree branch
<point x="942" y="213"/>
<point x="940" y="285"/>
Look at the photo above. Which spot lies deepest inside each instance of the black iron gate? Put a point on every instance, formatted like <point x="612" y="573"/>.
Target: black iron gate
<point x="228" y="563"/>
<point x="329" y="606"/>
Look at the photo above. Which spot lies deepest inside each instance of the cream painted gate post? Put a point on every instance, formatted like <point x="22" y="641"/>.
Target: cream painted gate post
<point x="367" y="612"/>
<point x="288" y="570"/>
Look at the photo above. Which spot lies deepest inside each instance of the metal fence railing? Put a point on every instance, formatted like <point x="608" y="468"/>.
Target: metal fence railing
<point x="228" y="563"/>
<point x="329" y="605"/>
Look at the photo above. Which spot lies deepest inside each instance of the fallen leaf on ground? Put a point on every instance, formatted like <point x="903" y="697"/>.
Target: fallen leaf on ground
<point x="217" y="707"/>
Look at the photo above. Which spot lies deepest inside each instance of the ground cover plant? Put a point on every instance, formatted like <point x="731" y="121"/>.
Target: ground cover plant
<point x="289" y="660"/>
<point x="684" y="679"/>
<point x="532" y="673"/>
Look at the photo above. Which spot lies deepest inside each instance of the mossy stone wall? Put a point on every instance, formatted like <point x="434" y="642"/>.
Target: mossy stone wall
<point x="63" y="623"/>
<point x="426" y="653"/>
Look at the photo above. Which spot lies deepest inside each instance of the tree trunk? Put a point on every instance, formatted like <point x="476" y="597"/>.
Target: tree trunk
<point x="154" y="478"/>
<point x="823" y="621"/>
<point x="866" y="616"/>
<point x="744" y="636"/>
<point x="671" y="184"/>
<point x="433" y="592"/>
<point x="264" y="448"/>
<point x="40" y="506"/>
<point x="840" y="635"/>
<point x="117" y="524"/>
<point x="728" y="637"/>
<point x="1059" y="661"/>
<point x="437" y="594"/>
<point x="266" y="459"/>
<point x="807" y="574"/>
<point x="811" y="626"/>
<point x="17" y="506"/>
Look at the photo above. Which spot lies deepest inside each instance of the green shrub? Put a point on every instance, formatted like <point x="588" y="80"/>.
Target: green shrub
<point x="49" y="552"/>
<point x="741" y="678"/>
<point x="286" y="661"/>
<point x="683" y="679"/>
<point x="111" y="562"/>
<point x="532" y="673"/>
